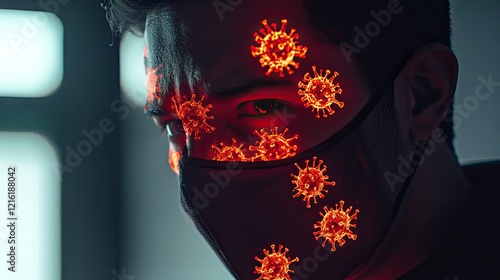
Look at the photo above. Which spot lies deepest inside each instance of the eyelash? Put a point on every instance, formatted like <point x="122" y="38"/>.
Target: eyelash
<point x="277" y="104"/>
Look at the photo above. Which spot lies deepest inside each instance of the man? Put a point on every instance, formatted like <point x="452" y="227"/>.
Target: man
<point x="311" y="137"/>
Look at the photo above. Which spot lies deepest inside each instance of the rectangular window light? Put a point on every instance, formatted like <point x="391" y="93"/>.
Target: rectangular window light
<point x="31" y="53"/>
<point x="30" y="231"/>
<point x="132" y="70"/>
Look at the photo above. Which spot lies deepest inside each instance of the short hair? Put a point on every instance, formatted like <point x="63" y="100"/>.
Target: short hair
<point x="417" y="23"/>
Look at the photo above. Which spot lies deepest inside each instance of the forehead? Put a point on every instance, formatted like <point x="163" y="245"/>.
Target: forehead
<point x="205" y="48"/>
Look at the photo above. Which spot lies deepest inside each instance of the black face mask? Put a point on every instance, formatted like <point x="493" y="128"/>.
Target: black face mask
<point x="243" y="208"/>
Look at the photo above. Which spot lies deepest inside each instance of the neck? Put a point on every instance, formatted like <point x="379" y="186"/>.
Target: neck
<point x="435" y="199"/>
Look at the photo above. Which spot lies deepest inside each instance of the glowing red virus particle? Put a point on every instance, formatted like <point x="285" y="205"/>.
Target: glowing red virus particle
<point x="234" y="152"/>
<point x="153" y="84"/>
<point x="335" y="225"/>
<point x="273" y="145"/>
<point x="320" y="92"/>
<point x="277" y="49"/>
<point x="173" y="159"/>
<point x="310" y="181"/>
<point x="193" y="115"/>
<point x="145" y="52"/>
<point x="275" y="265"/>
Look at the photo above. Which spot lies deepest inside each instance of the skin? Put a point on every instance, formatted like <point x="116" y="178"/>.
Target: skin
<point x="214" y="57"/>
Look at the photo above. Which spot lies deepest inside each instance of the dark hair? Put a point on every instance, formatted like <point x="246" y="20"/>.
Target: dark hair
<point x="417" y="23"/>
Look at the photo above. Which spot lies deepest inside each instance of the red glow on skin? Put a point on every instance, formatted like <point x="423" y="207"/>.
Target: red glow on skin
<point x="273" y="145"/>
<point x="173" y="159"/>
<point x="270" y="145"/>
<point x="193" y="115"/>
<point x="145" y="52"/>
<point x="319" y="92"/>
<point x="335" y="225"/>
<point x="310" y="181"/>
<point x="153" y="84"/>
<point x="275" y="265"/>
<point x="277" y="49"/>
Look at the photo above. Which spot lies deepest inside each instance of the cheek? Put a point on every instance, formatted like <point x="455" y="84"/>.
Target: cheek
<point x="174" y="155"/>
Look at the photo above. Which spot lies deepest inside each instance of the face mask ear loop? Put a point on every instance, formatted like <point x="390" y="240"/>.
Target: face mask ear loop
<point x="404" y="188"/>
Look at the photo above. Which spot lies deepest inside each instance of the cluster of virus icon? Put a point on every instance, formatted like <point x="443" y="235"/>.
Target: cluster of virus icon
<point x="193" y="114"/>
<point x="271" y="145"/>
<point x="275" y="264"/>
<point x="277" y="50"/>
<point x="311" y="181"/>
<point x="334" y="226"/>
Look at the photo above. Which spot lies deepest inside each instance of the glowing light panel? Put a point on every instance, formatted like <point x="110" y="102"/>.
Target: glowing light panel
<point x="319" y="92"/>
<point x="277" y="49"/>
<point x="31" y="53"/>
<point x="193" y="115"/>
<point x="335" y="225"/>
<point x="132" y="70"/>
<point x="310" y="181"/>
<point x="275" y="265"/>
<point x="37" y="207"/>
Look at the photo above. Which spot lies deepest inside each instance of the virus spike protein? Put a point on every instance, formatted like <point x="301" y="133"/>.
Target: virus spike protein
<point x="234" y="152"/>
<point x="275" y="265"/>
<point x="310" y="181"/>
<point x="335" y="225"/>
<point x="273" y="145"/>
<point x="277" y="49"/>
<point x="193" y="115"/>
<point x="320" y="92"/>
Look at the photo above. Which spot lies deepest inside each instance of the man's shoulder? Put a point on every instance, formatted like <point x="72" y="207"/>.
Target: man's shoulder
<point x="472" y="251"/>
<point x="485" y="176"/>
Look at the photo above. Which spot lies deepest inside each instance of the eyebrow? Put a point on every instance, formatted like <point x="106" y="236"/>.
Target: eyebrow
<point x="233" y="92"/>
<point x="228" y="93"/>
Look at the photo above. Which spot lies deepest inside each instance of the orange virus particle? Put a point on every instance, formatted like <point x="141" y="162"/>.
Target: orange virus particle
<point x="319" y="92"/>
<point x="275" y="265"/>
<point x="234" y="152"/>
<point x="193" y="115"/>
<point x="145" y="52"/>
<point x="336" y="224"/>
<point x="173" y="159"/>
<point x="310" y="181"/>
<point x="153" y="84"/>
<point x="273" y="145"/>
<point x="277" y="49"/>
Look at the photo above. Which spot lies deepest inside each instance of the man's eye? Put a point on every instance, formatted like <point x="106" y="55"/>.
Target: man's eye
<point x="174" y="128"/>
<point x="259" y="107"/>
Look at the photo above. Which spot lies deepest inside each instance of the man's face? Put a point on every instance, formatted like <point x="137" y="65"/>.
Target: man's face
<point x="198" y="53"/>
<point x="216" y="61"/>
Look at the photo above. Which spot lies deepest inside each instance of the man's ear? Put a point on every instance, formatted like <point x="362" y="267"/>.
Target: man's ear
<point x="431" y="76"/>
